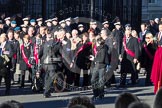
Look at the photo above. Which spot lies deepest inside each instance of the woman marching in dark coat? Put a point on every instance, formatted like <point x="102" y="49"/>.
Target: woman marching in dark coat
<point x="24" y="59"/>
<point x="148" y="52"/>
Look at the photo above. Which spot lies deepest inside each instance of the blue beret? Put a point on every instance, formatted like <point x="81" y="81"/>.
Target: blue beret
<point x="32" y="20"/>
<point x="13" y="22"/>
<point x="17" y="29"/>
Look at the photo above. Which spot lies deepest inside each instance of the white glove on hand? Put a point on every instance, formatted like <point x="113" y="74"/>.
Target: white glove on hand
<point x="91" y="57"/>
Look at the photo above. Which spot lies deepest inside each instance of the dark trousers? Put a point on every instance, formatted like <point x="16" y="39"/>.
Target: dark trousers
<point x="50" y="72"/>
<point x="97" y="81"/>
<point x="7" y="79"/>
<point x="13" y="69"/>
<point x="22" y="77"/>
<point x="148" y="75"/>
<point x="128" y="66"/>
<point x="85" y="78"/>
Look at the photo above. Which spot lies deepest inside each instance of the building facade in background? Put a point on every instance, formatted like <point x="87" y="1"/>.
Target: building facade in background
<point x="151" y="9"/>
<point x="129" y="11"/>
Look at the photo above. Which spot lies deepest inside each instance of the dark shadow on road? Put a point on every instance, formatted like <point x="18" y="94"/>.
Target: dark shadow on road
<point x="47" y="104"/>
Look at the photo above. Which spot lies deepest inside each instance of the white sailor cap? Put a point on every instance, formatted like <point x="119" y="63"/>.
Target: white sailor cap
<point x="68" y="19"/>
<point x="25" y="19"/>
<point x="23" y="26"/>
<point x="117" y="23"/>
<point x="76" y="18"/>
<point x="63" y="21"/>
<point x="8" y="18"/>
<point x="93" y="23"/>
<point x="80" y="25"/>
<point x="39" y="19"/>
<point x="49" y="20"/>
<point x="106" y="22"/>
<point x="55" y="19"/>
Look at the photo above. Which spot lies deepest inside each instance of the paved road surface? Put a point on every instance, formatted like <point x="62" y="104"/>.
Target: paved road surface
<point x="60" y="100"/>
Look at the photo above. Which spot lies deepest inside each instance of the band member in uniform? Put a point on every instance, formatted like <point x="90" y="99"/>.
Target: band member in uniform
<point x="51" y="55"/>
<point x="100" y="60"/>
<point x="129" y="58"/>
<point x="49" y="24"/>
<point x="68" y="25"/>
<point x="106" y="26"/>
<point x="7" y="24"/>
<point x="24" y="31"/>
<point x="42" y="32"/>
<point x="39" y="24"/>
<point x="156" y="75"/>
<point x="6" y="50"/>
<point x="118" y="35"/>
<point x="26" y="21"/>
<point x="81" y="30"/>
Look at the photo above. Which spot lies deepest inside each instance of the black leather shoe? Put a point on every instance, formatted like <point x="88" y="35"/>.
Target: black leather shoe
<point x="48" y="95"/>
<point x="101" y="96"/>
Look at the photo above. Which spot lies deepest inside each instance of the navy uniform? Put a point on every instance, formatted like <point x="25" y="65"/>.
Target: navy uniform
<point x="24" y="31"/>
<point x="7" y="24"/>
<point x="81" y="30"/>
<point x="68" y="27"/>
<point x="49" y="24"/>
<point x="39" y="24"/>
<point x="106" y="26"/>
<point x="54" y="24"/>
<point x="118" y="35"/>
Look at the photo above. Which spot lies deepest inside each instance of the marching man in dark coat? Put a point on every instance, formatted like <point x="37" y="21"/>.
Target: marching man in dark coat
<point x="51" y="56"/>
<point x="100" y="60"/>
<point x="129" y="57"/>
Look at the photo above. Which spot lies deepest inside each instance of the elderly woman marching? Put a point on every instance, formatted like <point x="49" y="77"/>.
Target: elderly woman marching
<point x="24" y="59"/>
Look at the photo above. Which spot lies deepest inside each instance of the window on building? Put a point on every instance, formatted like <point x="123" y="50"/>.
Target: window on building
<point x="152" y="1"/>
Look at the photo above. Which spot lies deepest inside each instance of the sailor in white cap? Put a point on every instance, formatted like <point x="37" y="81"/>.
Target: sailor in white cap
<point x="26" y="21"/>
<point x="81" y="29"/>
<point x="55" y="23"/>
<point x="106" y="26"/>
<point x="7" y="24"/>
<point x="68" y="24"/>
<point x="118" y="34"/>
<point x="62" y="24"/>
<point x="7" y="18"/>
<point x="24" y="30"/>
<point x="39" y="23"/>
<point x="49" y="24"/>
